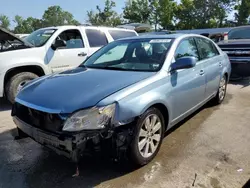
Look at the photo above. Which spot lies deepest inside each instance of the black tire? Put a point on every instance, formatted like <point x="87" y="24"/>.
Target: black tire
<point x="11" y="89"/>
<point x="20" y="134"/>
<point x="217" y="99"/>
<point x="134" y="152"/>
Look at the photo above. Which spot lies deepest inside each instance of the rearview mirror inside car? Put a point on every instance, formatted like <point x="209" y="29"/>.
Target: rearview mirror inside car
<point x="183" y="63"/>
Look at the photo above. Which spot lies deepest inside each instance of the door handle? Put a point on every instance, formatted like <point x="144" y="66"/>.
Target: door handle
<point x="82" y="54"/>
<point x="202" y="72"/>
<point x="220" y="64"/>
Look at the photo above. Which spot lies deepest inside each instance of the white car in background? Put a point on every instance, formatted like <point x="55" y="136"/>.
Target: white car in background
<point x="49" y="50"/>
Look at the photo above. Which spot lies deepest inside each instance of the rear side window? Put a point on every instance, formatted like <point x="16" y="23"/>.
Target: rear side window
<point x="206" y="48"/>
<point x="118" y="34"/>
<point x="96" y="38"/>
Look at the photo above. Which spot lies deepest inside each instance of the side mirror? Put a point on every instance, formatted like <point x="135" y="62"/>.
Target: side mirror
<point x="58" y="44"/>
<point x="183" y="63"/>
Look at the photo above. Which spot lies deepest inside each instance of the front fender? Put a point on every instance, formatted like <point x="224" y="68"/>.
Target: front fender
<point x="137" y="103"/>
<point x="12" y="66"/>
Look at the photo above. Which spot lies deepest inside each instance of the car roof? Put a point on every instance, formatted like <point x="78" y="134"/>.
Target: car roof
<point x="167" y="36"/>
<point x="88" y="26"/>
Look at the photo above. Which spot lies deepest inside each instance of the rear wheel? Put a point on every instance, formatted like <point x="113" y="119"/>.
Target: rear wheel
<point x="221" y="93"/>
<point x="148" y="137"/>
<point x="16" y="83"/>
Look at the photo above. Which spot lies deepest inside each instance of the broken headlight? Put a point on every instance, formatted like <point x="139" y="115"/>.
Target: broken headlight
<point x="90" y="119"/>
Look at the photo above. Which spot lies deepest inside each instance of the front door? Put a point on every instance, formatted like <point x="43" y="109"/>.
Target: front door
<point x="188" y="85"/>
<point x="70" y="56"/>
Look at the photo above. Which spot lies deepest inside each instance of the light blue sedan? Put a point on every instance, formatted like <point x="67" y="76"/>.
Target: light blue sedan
<point x="125" y="95"/>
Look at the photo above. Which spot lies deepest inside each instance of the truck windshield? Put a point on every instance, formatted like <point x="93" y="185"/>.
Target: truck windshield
<point x="131" y="55"/>
<point x="239" y="33"/>
<point x="39" y="37"/>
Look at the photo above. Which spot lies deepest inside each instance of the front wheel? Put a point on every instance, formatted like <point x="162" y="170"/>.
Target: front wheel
<point x="221" y="93"/>
<point x="148" y="135"/>
<point x="15" y="84"/>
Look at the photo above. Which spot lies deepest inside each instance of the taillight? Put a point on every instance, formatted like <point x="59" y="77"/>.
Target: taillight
<point x="225" y="36"/>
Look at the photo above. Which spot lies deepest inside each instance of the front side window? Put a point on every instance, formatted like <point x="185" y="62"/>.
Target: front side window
<point x="72" y="38"/>
<point x="187" y="48"/>
<point x="131" y="55"/>
<point x="239" y="33"/>
<point x="39" y="37"/>
<point x="96" y="38"/>
<point x="118" y="34"/>
<point x="206" y="48"/>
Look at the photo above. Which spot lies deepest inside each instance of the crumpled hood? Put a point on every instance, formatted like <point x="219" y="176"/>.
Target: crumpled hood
<point x="77" y="89"/>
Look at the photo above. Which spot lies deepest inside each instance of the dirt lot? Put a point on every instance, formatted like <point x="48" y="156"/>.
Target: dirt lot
<point x="210" y="149"/>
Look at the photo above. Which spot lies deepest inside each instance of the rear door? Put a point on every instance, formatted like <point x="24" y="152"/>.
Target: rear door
<point x="96" y="38"/>
<point x="70" y="56"/>
<point x="212" y="62"/>
<point x="188" y="85"/>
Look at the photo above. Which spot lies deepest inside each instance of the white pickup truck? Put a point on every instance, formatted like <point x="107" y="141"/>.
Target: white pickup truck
<point x="49" y="50"/>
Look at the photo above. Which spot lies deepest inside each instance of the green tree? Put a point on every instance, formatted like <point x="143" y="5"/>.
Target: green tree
<point x="202" y="13"/>
<point x="185" y="14"/>
<point x="4" y="21"/>
<point x="138" y="11"/>
<point x="106" y="17"/>
<point x="56" y="16"/>
<point x="166" y="13"/>
<point x="27" y="25"/>
<point x="243" y="9"/>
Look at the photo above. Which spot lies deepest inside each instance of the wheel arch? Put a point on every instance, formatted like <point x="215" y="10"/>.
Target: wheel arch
<point x="36" y="69"/>
<point x="163" y="109"/>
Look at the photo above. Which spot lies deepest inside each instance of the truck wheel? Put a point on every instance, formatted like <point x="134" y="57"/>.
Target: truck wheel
<point x="15" y="84"/>
<point x="148" y="135"/>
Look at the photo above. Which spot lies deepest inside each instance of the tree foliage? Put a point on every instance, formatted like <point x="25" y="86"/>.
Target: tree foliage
<point x="106" y="17"/>
<point x="27" y="25"/>
<point x="4" y="21"/>
<point x="243" y="13"/>
<point x="137" y="11"/>
<point x="202" y="13"/>
<point x="55" y="16"/>
<point x="166" y="14"/>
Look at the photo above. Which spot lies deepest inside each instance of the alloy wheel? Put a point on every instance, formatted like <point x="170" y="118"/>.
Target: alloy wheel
<point x="150" y="135"/>
<point x="222" y="88"/>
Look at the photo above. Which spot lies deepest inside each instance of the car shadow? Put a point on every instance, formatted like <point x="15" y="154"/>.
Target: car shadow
<point x="4" y="105"/>
<point x="244" y="82"/>
<point x="24" y="163"/>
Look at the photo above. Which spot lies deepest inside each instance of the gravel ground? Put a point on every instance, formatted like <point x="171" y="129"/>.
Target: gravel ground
<point x="209" y="149"/>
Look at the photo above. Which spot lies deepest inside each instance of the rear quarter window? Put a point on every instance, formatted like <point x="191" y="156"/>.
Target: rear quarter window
<point x="118" y="34"/>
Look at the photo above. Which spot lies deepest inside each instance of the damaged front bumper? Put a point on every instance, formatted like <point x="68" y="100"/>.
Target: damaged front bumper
<point x="69" y="146"/>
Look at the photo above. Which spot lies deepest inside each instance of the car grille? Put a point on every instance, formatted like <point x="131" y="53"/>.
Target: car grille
<point x="42" y="120"/>
<point x="236" y="50"/>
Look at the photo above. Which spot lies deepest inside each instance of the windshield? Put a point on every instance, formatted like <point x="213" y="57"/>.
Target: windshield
<point x="131" y="55"/>
<point x="39" y="37"/>
<point x="239" y="33"/>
